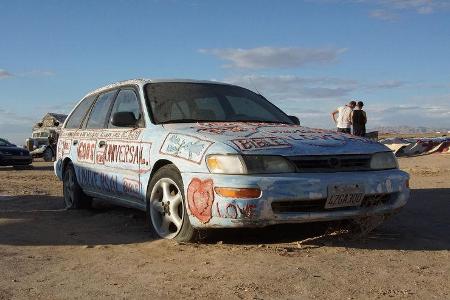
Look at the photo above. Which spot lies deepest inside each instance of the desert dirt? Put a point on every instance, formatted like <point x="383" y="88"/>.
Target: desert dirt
<point x="106" y="252"/>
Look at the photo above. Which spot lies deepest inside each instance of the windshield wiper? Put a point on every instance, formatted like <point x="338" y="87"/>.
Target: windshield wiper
<point x="260" y="121"/>
<point x="187" y="121"/>
<point x="219" y="121"/>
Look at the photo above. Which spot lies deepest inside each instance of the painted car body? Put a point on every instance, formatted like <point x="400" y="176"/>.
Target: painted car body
<point x="122" y="168"/>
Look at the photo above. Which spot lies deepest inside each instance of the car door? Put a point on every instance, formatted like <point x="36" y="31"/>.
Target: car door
<point x="124" y="153"/>
<point x="69" y="138"/>
<point x="92" y="175"/>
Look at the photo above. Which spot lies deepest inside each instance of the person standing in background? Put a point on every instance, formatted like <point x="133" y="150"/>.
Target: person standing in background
<point x="343" y="120"/>
<point x="359" y="120"/>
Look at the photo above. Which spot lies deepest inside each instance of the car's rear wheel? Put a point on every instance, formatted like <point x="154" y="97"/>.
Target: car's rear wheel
<point x="74" y="197"/>
<point x="166" y="206"/>
<point x="48" y="154"/>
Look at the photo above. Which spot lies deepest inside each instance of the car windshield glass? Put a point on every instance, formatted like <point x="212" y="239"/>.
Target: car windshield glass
<point x="180" y="102"/>
<point x="40" y="134"/>
<point x="4" y="143"/>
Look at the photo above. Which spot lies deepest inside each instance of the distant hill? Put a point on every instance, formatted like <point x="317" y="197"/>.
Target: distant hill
<point x="409" y="129"/>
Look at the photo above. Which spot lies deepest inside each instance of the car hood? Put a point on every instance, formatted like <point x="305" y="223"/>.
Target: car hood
<point x="277" y="139"/>
<point x="13" y="150"/>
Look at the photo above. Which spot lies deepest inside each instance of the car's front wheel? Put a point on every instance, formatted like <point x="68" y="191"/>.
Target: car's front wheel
<point x="166" y="206"/>
<point x="74" y="197"/>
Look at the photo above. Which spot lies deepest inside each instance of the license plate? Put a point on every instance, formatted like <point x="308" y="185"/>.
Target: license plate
<point x="344" y="195"/>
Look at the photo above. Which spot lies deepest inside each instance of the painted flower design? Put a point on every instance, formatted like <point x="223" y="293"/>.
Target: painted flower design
<point x="200" y="196"/>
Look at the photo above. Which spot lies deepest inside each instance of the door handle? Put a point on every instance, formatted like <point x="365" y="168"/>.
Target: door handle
<point x="101" y="144"/>
<point x="75" y="142"/>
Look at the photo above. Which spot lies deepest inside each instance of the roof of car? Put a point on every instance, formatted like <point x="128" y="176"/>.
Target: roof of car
<point x="142" y="81"/>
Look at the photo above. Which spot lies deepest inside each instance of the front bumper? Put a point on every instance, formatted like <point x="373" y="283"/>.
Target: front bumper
<point x="290" y="198"/>
<point x="15" y="160"/>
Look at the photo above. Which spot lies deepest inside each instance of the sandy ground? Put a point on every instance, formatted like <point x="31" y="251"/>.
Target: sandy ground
<point x="48" y="252"/>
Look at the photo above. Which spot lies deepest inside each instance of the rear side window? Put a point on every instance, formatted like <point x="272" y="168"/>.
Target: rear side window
<point x="126" y="101"/>
<point x="99" y="112"/>
<point x="78" y="114"/>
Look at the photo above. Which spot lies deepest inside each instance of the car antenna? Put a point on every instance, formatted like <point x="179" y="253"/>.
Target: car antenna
<point x="254" y="86"/>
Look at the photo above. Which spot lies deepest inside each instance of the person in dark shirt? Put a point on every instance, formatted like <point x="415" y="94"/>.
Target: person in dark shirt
<point x="359" y="120"/>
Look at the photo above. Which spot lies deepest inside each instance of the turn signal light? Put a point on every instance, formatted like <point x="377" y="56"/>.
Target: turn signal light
<point x="407" y="183"/>
<point x="238" y="192"/>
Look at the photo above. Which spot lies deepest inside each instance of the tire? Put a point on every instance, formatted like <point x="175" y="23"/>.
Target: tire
<point x="48" y="154"/>
<point x="74" y="197"/>
<point x="166" y="206"/>
<point x="24" y="167"/>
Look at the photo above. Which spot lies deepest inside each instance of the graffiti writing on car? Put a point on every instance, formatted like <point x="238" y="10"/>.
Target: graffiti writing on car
<point x="248" y="144"/>
<point x="110" y="183"/>
<point x="226" y="128"/>
<point x="246" y="129"/>
<point x="126" y="155"/>
<point x="86" y="151"/>
<point x="63" y="148"/>
<point x="235" y="210"/>
<point x="120" y="134"/>
<point x="200" y="196"/>
<point x="296" y="130"/>
<point x="99" y="181"/>
<point x="185" y="146"/>
<point x="131" y="187"/>
<point x="133" y="156"/>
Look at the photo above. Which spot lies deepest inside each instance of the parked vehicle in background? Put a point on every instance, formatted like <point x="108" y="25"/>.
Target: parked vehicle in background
<point x="44" y="138"/>
<point x="11" y="155"/>
<point x="201" y="155"/>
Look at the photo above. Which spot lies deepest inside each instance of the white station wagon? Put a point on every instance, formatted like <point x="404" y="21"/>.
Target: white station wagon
<point x="198" y="155"/>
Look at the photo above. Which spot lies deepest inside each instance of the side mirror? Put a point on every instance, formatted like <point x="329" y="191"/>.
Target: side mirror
<point x="123" y="119"/>
<point x="295" y="120"/>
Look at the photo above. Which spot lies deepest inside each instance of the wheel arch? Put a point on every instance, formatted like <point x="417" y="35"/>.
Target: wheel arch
<point x="64" y="165"/>
<point x="157" y="166"/>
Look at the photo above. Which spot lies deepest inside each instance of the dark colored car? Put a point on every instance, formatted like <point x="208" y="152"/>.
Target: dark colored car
<point x="11" y="155"/>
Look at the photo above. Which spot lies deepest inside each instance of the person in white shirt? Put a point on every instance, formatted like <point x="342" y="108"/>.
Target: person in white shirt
<point x="343" y="120"/>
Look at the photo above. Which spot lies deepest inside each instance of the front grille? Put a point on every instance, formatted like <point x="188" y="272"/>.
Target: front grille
<point x="329" y="163"/>
<point x="318" y="205"/>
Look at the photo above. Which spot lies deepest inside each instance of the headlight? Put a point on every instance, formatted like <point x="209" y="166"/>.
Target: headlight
<point x="383" y="160"/>
<point x="226" y="164"/>
<point x="260" y="164"/>
<point x="248" y="164"/>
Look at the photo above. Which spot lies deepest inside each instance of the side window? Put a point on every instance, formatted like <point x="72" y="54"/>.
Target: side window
<point x="126" y="101"/>
<point x="99" y="112"/>
<point x="78" y="114"/>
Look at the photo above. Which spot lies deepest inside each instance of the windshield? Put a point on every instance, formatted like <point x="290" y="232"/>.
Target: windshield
<point x="180" y="102"/>
<point x="41" y="134"/>
<point x="4" y="142"/>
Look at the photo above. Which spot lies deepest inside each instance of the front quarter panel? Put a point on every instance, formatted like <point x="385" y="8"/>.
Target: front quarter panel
<point x="188" y="152"/>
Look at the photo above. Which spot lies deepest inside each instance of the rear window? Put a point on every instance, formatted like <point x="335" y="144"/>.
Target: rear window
<point x="79" y="113"/>
<point x="99" y="113"/>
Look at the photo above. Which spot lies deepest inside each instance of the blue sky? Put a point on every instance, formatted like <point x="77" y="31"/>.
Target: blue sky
<point x="307" y="57"/>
